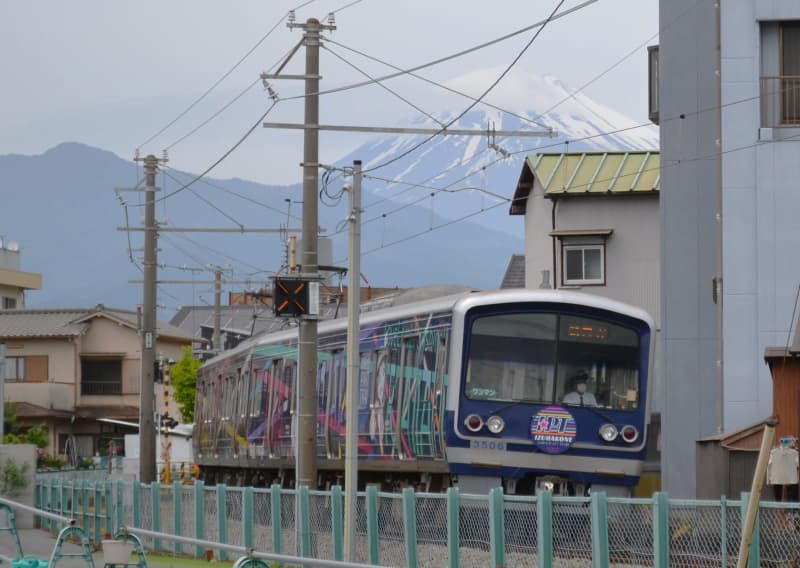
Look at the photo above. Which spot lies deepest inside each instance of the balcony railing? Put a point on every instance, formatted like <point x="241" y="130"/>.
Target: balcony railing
<point x="101" y="387"/>
<point x="780" y="101"/>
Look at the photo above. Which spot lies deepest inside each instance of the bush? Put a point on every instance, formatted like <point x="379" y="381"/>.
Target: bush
<point x="13" y="478"/>
<point x="52" y="462"/>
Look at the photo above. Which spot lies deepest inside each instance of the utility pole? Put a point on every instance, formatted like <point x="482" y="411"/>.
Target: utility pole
<point x="306" y="467"/>
<point x="353" y="366"/>
<point x="217" y="309"/>
<point x="147" y="432"/>
<point x="2" y="390"/>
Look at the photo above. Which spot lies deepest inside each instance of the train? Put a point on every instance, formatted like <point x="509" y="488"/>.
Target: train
<point x="475" y="390"/>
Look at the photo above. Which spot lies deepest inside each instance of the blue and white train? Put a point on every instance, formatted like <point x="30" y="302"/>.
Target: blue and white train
<point x="470" y="390"/>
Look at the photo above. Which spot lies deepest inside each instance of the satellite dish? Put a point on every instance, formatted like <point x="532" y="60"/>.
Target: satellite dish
<point x="13" y="246"/>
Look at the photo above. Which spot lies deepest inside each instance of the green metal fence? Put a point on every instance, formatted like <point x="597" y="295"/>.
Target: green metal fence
<point x="424" y="529"/>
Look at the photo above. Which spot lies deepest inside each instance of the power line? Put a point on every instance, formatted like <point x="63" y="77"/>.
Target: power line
<point x="225" y="155"/>
<point x="447" y="58"/>
<point x="236" y="194"/>
<point x="409" y="103"/>
<point x="432" y="82"/>
<point x="224" y="76"/>
<point x="472" y="105"/>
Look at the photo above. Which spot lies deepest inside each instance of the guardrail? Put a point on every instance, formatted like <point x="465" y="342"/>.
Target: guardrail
<point x="424" y="529"/>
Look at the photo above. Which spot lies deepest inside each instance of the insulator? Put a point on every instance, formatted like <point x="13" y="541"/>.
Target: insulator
<point x="292" y="17"/>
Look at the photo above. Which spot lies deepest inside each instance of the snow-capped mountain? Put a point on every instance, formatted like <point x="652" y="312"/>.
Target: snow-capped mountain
<point x="466" y="175"/>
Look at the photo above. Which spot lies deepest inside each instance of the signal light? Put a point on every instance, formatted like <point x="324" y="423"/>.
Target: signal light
<point x="473" y="422"/>
<point x="630" y="434"/>
<point x="290" y="297"/>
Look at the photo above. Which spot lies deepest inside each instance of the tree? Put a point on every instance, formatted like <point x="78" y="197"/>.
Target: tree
<point x="183" y="376"/>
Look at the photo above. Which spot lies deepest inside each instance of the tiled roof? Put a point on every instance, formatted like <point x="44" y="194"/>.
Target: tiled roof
<point x="588" y="173"/>
<point x="69" y="322"/>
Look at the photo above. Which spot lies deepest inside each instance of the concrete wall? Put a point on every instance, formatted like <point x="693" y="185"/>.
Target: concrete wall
<point x="21" y="454"/>
<point x="760" y="233"/>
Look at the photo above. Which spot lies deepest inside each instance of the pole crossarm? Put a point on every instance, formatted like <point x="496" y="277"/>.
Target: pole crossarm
<point x="390" y="130"/>
<point x="244" y="282"/>
<point x="162" y="229"/>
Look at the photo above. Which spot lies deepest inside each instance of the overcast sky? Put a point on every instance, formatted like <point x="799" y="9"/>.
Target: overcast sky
<point x="112" y="74"/>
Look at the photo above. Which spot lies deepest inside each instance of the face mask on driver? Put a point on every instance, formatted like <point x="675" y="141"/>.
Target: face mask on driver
<point x="581" y="388"/>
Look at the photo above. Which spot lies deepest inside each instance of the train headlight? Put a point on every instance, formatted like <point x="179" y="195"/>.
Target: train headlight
<point x="608" y="432"/>
<point x="473" y="422"/>
<point x="495" y="424"/>
<point x="630" y="434"/>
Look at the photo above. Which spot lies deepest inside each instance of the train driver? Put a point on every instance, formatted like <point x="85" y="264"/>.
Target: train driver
<point x="579" y="395"/>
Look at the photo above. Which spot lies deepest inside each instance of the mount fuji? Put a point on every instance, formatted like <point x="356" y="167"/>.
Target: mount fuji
<point x="464" y="177"/>
<point x="65" y="214"/>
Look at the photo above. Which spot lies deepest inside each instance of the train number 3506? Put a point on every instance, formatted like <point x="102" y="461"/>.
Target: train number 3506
<point x="487" y="445"/>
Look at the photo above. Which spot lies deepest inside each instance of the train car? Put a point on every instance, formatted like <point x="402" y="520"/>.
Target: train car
<point x="477" y="389"/>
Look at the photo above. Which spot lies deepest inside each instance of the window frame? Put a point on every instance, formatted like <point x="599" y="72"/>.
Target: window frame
<point x="84" y="359"/>
<point x="566" y="247"/>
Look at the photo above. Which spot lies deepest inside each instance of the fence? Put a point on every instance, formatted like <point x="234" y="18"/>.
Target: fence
<point x="423" y="529"/>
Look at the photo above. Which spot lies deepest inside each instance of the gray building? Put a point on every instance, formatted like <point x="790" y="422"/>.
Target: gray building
<point x="730" y="127"/>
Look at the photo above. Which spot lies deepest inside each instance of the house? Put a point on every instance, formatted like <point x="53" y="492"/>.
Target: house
<point x="724" y="84"/>
<point x="592" y="224"/>
<point x="68" y="368"/>
<point x="13" y="281"/>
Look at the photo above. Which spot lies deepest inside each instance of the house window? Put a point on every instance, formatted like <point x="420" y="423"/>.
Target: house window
<point x="780" y="74"/>
<point x="101" y="375"/>
<point x="583" y="264"/>
<point x="15" y="368"/>
<point x="31" y="369"/>
<point x="652" y="83"/>
<point x="9" y="303"/>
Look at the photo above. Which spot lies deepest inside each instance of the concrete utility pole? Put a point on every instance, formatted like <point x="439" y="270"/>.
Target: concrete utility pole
<point x="306" y="467"/>
<point x="147" y="432"/>
<point x="2" y="390"/>
<point x="217" y="309"/>
<point x="353" y="366"/>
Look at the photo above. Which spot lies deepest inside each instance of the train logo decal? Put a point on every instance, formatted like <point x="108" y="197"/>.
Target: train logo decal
<point x="553" y="430"/>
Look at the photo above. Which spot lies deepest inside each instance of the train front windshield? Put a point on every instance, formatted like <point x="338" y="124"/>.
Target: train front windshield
<point x="548" y="358"/>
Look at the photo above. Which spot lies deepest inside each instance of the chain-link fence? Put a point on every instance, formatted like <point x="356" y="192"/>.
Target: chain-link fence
<point x="424" y="529"/>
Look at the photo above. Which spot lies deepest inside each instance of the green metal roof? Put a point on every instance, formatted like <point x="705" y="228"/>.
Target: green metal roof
<point x="597" y="172"/>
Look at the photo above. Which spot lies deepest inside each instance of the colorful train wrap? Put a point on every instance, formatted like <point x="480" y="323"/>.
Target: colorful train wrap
<point x="528" y="389"/>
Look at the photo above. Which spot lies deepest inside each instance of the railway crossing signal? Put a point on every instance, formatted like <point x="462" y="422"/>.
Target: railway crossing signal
<point x="291" y="297"/>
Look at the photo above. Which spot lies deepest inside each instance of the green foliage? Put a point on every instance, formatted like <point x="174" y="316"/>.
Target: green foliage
<point x="183" y="376"/>
<point x="10" y="418"/>
<point x="12" y="439"/>
<point x="37" y="435"/>
<point x="13" y="478"/>
<point x="86" y="463"/>
<point x="52" y="462"/>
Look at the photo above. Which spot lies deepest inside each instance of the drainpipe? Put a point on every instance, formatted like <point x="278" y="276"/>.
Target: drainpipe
<point x="718" y="217"/>
<point x="553" y="238"/>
